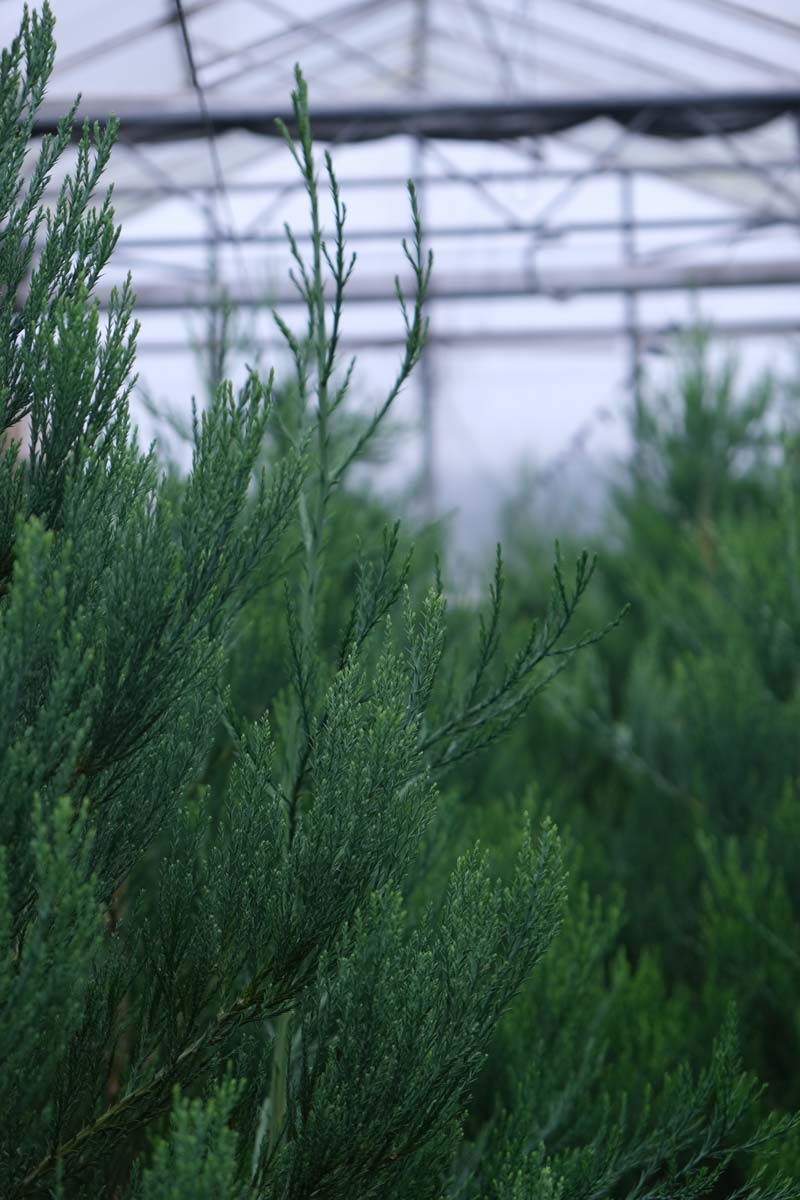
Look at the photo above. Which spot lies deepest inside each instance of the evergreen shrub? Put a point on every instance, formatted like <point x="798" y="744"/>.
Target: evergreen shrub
<point x="270" y="995"/>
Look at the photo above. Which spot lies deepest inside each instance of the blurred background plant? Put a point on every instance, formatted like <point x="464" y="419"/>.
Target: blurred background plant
<point x="669" y="752"/>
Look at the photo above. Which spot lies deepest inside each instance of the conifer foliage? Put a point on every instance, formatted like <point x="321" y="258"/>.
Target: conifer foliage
<point x="202" y="1001"/>
<point x="259" y="964"/>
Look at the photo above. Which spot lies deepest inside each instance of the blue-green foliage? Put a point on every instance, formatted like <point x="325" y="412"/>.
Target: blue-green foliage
<point x="198" y="1156"/>
<point x="286" y="986"/>
<point x="672" y="753"/>
<point x="150" y="937"/>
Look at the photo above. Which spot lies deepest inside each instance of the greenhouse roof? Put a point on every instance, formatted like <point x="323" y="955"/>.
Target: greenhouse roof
<point x="362" y="51"/>
<point x="582" y="163"/>
<point x="178" y="71"/>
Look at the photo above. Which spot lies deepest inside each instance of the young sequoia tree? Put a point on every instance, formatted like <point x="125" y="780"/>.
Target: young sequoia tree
<point x="202" y="1004"/>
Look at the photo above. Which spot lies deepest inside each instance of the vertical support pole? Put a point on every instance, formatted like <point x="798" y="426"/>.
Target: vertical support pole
<point x="425" y="372"/>
<point x="215" y="352"/>
<point x="631" y="297"/>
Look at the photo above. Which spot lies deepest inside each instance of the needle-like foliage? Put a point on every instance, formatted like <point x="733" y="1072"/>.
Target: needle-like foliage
<point x="231" y="1000"/>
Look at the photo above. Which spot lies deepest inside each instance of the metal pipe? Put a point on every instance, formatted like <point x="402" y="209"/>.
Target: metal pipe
<point x="551" y="284"/>
<point x="448" y="179"/>
<point x="552" y="232"/>
<point x="487" y="120"/>
<point x="591" y="335"/>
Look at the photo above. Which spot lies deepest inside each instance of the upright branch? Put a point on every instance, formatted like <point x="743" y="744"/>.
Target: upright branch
<point x="317" y="354"/>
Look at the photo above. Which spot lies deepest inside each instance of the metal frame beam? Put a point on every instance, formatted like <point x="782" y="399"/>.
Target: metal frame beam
<point x="396" y="234"/>
<point x="672" y="117"/>
<point x="652" y="336"/>
<point x="550" y="284"/>
<point x="450" y="177"/>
